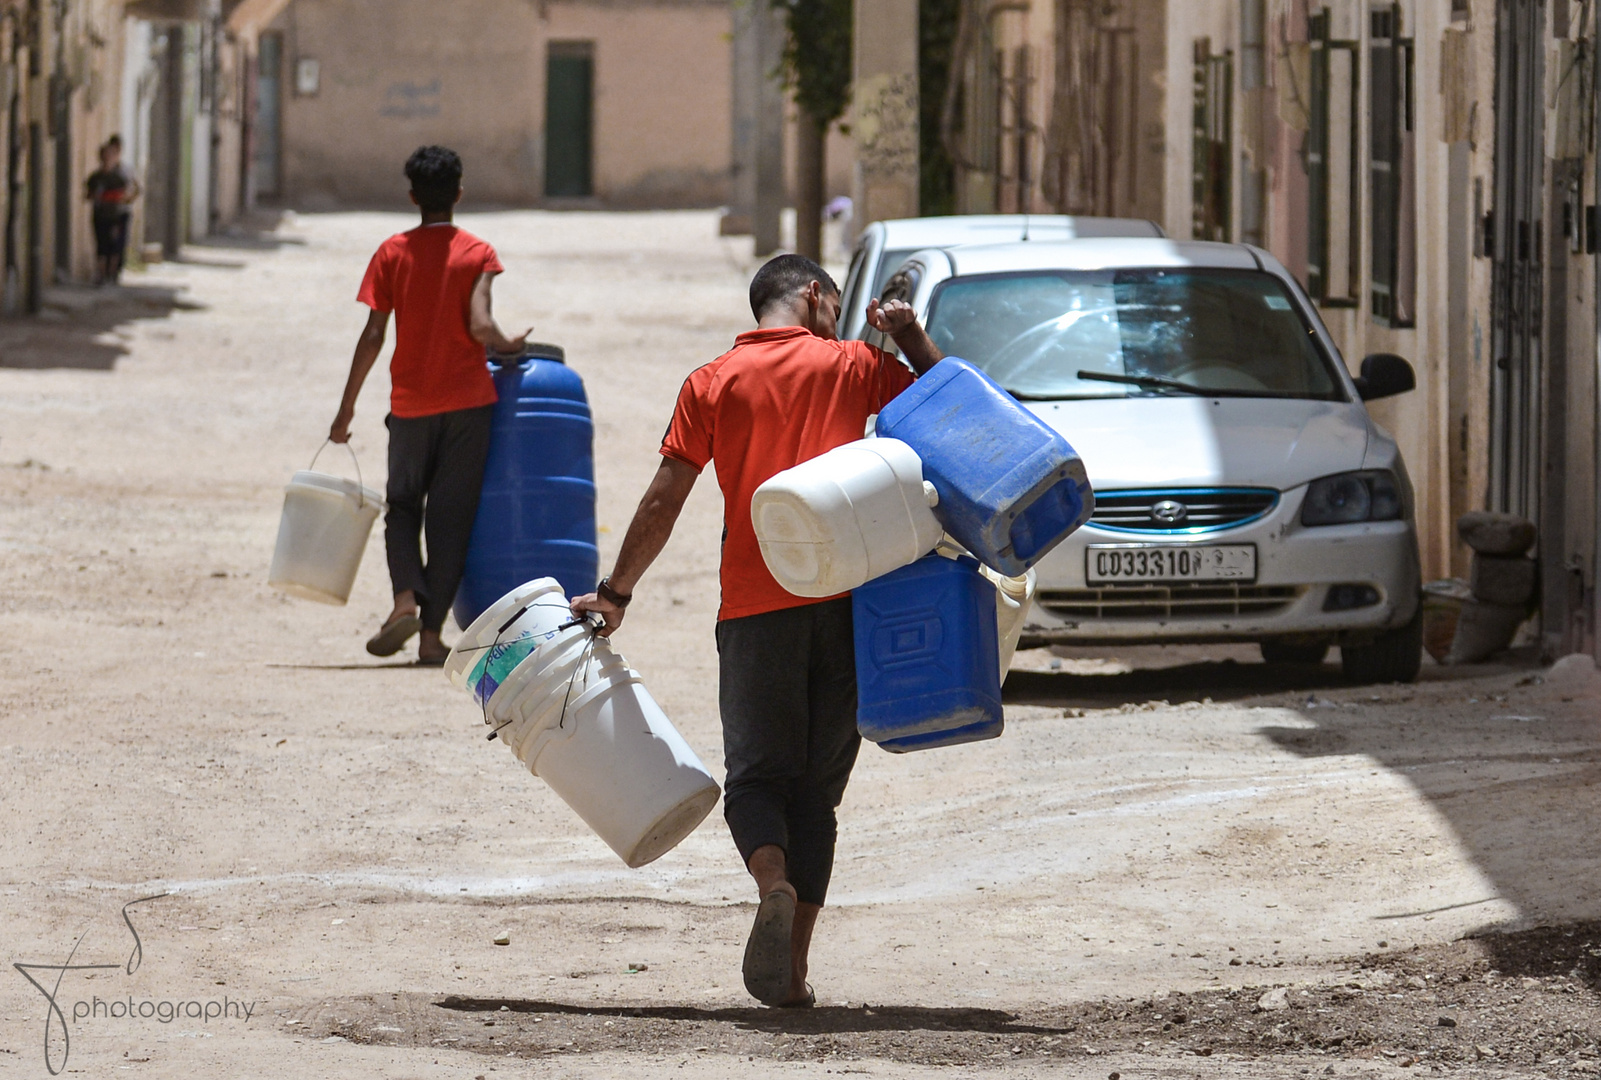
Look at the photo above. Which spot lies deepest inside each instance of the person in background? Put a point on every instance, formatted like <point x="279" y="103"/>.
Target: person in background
<point x="788" y="391"/>
<point x="110" y="191"/>
<point x="436" y="279"/>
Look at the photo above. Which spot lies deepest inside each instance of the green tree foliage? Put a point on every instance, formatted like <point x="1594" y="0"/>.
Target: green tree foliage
<point x="817" y="57"/>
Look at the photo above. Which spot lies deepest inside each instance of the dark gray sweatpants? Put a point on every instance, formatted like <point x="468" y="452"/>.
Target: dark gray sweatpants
<point x="436" y="469"/>
<point x="787" y="694"/>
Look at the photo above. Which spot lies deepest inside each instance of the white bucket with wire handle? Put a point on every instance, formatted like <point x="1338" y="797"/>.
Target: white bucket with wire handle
<point x="542" y="682"/>
<point x="569" y="707"/>
<point x="614" y="757"/>
<point x="507" y="633"/>
<point x="322" y="533"/>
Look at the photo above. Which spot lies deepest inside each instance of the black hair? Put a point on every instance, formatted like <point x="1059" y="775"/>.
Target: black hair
<point x="784" y="277"/>
<point x="435" y="175"/>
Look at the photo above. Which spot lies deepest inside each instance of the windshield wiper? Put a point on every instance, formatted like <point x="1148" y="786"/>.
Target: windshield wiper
<point x="1152" y="382"/>
<point x="1021" y="395"/>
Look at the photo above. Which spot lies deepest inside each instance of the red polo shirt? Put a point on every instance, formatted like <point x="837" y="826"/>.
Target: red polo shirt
<point x="779" y="398"/>
<point x="426" y="278"/>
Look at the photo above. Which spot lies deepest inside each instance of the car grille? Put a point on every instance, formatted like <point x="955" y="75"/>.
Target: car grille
<point x="1184" y="600"/>
<point x="1204" y="509"/>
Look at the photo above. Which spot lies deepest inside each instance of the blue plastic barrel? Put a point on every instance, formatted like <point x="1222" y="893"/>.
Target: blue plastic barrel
<point x="1010" y="487"/>
<point x="927" y="659"/>
<point x="536" y="516"/>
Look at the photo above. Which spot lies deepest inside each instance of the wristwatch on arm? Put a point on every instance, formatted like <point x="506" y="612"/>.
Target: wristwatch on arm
<point x="611" y="595"/>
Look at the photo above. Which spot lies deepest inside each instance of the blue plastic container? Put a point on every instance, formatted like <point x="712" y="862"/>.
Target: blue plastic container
<point x="536" y="516"/>
<point x="1010" y="488"/>
<point x="927" y="659"/>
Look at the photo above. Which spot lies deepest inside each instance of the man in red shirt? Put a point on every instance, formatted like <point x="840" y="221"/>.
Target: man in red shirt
<point x="788" y="391"/>
<point x="436" y="279"/>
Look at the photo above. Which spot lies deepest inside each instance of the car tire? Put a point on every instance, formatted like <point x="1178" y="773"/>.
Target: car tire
<point x="1395" y="656"/>
<point x="1284" y="652"/>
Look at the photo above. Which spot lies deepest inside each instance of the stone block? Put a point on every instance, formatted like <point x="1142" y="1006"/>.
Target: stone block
<point x="1496" y="534"/>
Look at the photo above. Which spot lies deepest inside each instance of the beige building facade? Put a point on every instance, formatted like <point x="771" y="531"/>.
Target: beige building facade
<point x="621" y="103"/>
<point x="1426" y="168"/>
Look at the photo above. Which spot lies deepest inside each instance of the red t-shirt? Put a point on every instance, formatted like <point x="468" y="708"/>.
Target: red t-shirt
<point x="426" y="278"/>
<point x="779" y="398"/>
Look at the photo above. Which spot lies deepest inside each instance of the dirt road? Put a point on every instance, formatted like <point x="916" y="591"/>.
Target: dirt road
<point x="1114" y="887"/>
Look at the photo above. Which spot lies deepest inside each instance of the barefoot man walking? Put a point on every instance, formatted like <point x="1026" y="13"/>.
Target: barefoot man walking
<point x="788" y="391"/>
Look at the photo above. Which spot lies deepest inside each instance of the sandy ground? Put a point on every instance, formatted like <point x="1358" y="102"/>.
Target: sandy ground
<point x="339" y="847"/>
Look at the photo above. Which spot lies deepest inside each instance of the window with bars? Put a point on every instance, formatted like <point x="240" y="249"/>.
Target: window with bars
<point x="1332" y="164"/>
<point x="1391" y="176"/>
<point x="1213" y="139"/>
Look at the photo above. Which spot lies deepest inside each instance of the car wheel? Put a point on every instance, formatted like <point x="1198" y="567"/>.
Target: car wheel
<point x="1284" y="652"/>
<point x="1394" y="657"/>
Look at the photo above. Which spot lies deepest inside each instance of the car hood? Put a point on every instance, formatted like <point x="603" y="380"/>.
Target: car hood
<point x="1137" y="442"/>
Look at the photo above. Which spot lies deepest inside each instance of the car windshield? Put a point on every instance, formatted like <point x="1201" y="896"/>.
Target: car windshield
<point x="1046" y="335"/>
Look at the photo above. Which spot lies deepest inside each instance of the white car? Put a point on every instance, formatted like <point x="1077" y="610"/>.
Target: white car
<point x="884" y="245"/>
<point x="1243" y="493"/>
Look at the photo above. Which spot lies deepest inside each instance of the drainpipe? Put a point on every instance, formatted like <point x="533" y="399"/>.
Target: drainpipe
<point x="14" y="150"/>
<point x="213" y="179"/>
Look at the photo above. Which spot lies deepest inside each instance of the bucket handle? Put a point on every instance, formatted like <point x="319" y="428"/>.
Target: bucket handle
<point x="361" y="487"/>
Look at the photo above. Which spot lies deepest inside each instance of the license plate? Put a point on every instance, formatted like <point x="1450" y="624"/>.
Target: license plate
<point x="1110" y="563"/>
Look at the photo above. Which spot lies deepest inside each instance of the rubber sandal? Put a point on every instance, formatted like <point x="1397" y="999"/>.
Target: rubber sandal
<point x="767" y="961"/>
<point x="432" y="661"/>
<point x="394" y="634"/>
<point x="807" y="1002"/>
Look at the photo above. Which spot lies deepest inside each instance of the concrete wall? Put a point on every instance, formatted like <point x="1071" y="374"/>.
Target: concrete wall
<point x="471" y="75"/>
<point x="1439" y="435"/>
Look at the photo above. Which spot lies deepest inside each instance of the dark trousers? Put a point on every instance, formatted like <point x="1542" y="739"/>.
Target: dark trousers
<point x="111" y="235"/>
<point x="436" y="468"/>
<point x="787" y="694"/>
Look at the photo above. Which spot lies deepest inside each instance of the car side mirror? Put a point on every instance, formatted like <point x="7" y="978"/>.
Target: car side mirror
<point x="1384" y="375"/>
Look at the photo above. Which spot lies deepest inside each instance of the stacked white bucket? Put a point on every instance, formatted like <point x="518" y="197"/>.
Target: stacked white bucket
<point x="572" y="710"/>
<point x="856" y="513"/>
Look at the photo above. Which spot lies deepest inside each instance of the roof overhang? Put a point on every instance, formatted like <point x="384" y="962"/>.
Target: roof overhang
<point x="251" y="17"/>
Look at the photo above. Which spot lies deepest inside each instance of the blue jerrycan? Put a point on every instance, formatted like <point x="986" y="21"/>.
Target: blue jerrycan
<point x="1010" y="488"/>
<point x="927" y="656"/>
<point x="536" y="515"/>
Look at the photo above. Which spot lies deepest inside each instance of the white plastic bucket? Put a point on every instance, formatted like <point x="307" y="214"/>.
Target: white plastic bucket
<point x="614" y="757"/>
<point x="845" y="517"/>
<point x="322" y="534"/>
<point x="1014" y="597"/>
<point x="503" y="636"/>
<point x="557" y="670"/>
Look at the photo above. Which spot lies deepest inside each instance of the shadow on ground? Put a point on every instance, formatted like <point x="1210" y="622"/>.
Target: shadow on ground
<point x="78" y="327"/>
<point x="815" y="1021"/>
<point x="1512" y="765"/>
<point x="1197" y="673"/>
<point x="258" y="231"/>
<point x="1217" y="680"/>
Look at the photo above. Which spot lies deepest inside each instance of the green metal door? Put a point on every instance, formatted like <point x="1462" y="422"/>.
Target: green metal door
<point x="569" y="119"/>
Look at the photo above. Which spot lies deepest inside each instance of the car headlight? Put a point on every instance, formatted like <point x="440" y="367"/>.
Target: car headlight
<point x="1352" y="497"/>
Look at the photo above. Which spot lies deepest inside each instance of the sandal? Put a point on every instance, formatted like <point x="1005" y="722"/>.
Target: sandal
<point x="807" y="1002"/>
<point x="393" y="635"/>
<point x="767" y="961"/>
